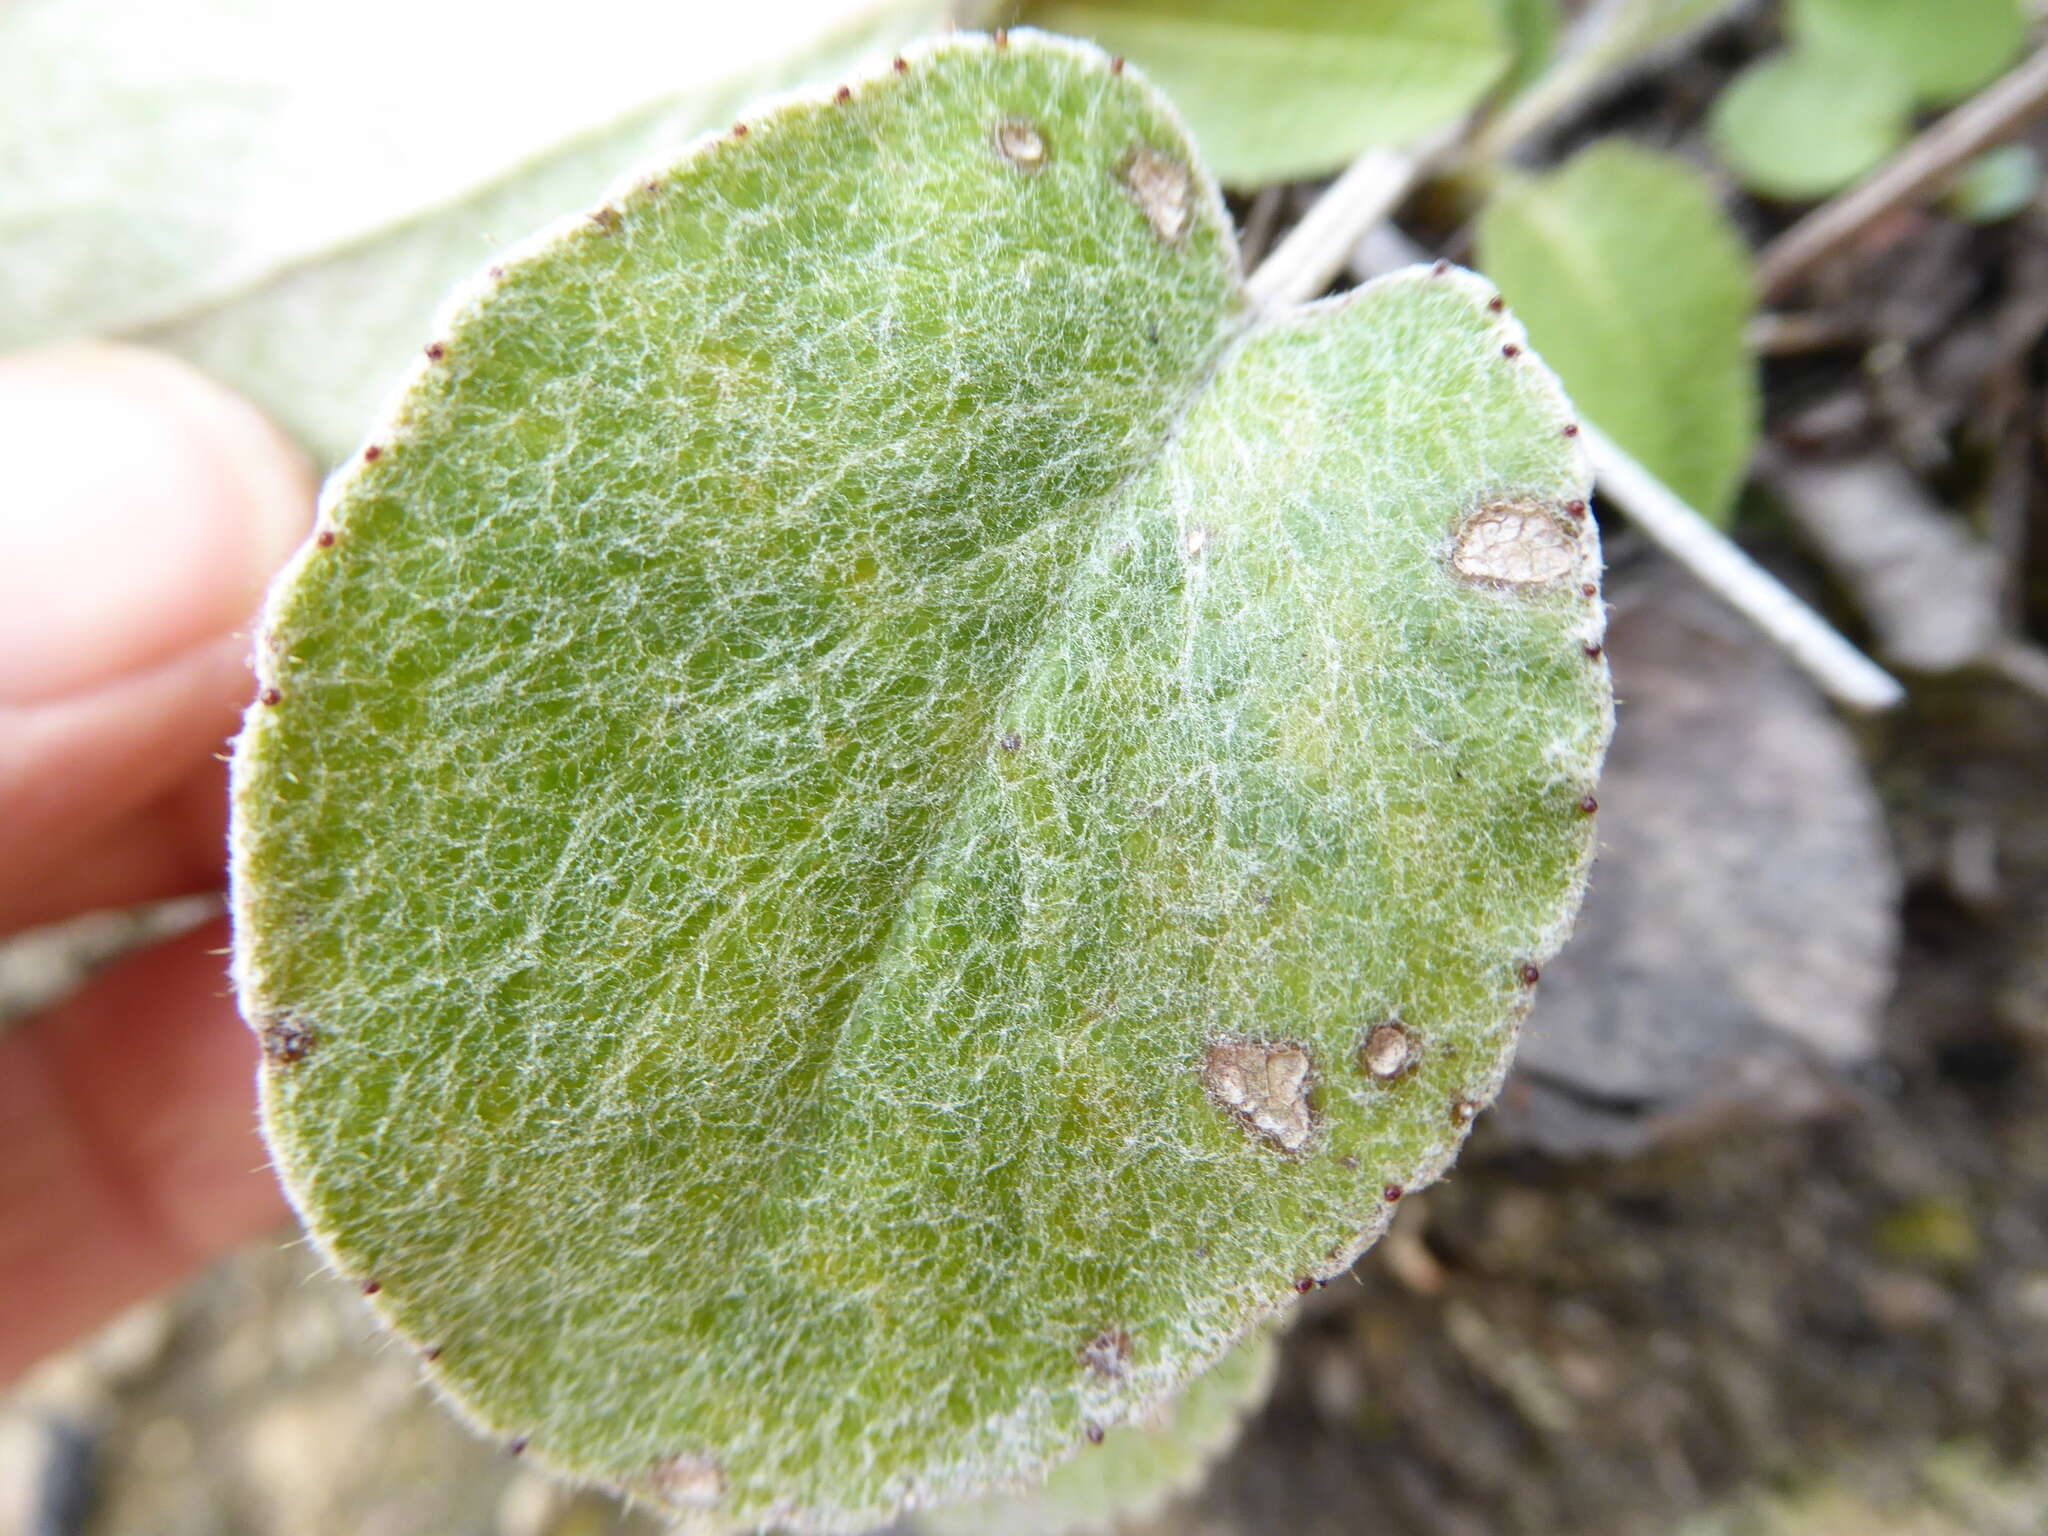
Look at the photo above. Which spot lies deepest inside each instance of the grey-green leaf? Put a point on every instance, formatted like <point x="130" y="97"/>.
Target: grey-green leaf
<point x="1276" y="90"/>
<point x="878" y="818"/>
<point x="1637" y="289"/>
<point x="1138" y="1467"/>
<point x="284" y="200"/>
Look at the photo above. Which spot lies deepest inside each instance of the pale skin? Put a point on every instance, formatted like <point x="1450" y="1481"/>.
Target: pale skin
<point x="142" y="510"/>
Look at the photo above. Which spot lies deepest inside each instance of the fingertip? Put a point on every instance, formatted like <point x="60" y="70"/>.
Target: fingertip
<point x="143" y="508"/>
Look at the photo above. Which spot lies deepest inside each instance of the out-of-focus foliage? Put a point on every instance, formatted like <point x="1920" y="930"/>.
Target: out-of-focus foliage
<point x="1637" y="289"/>
<point x="1275" y="90"/>
<point x="1803" y="124"/>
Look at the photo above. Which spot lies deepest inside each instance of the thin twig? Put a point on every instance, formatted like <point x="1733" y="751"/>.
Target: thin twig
<point x="1722" y="567"/>
<point x="1714" y="559"/>
<point x="1312" y="253"/>
<point x="1994" y="115"/>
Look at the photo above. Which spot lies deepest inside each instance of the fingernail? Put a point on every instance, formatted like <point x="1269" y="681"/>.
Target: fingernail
<point x="143" y="508"/>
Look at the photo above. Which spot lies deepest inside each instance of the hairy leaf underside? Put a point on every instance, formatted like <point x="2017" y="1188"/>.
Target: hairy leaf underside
<point x="878" y="819"/>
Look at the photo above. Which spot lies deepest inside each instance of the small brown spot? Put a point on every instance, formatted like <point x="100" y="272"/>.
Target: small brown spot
<point x="1588" y="805"/>
<point x="1514" y="544"/>
<point x="1002" y="37"/>
<point x="435" y="352"/>
<point x="1511" y="350"/>
<point x="1588" y="589"/>
<point x="1011" y="742"/>
<point x="372" y="454"/>
<point x="270" y="696"/>
<point x="1390" y="1051"/>
<point x="1108" y="1354"/>
<point x="431" y="1355"/>
<point x="1571" y="429"/>
<point x="1021" y="144"/>
<point x="1094" y="1434"/>
<point x="739" y="130"/>
<point x="1303" y="1286"/>
<point x="1464" y="1111"/>
<point x="285" y="1040"/>
<point x="844" y="93"/>
<point x="606" y="219"/>
<point x="1530" y="974"/>
<point x="689" y="1482"/>
<point x="1161" y="186"/>
<point x="1442" y="268"/>
<point x="517" y="1447"/>
<point x="653" y="189"/>
<point x="372" y="1287"/>
<point x="901" y="65"/>
<point x="1349" y="1164"/>
<point x="324" y="538"/>
<point x="1594" y="650"/>
<point x="1265" y="1084"/>
<point x="1116" y="65"/>
<point x="496" y="273"/>
<point x="1575" y="508"/>
<point x="1496" y="304"/>
<point x="1393" y="1192"/>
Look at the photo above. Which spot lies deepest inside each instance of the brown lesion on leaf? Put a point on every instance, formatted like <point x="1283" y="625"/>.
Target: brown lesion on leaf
<point x="1164" y="190"/>
<point x="689" y="1482"/>
<point x="1108" y="1354"/>
<point x="1516" y="545"/>
<point x="1391" y="1051"/>
<point x="1022" y="144"/>
<point x="1266" y="1085"/>
<point x="286" y="1041"/>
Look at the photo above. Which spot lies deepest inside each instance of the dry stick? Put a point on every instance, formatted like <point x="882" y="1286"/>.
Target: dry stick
<point x="1721" y="566"/>
<point x="1993" y="115"/>
<point x="1316" y="248"/>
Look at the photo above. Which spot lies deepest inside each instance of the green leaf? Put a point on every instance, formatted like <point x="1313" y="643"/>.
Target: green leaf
<point x="1942" y="51"/>
<point x="1139" y="1466"/>
<point x="1610" y="42"/>
<point x="1801" y="124"/>
<point x="878" y="818"/>
<point x="1278" y="90"/>
<point x="1531" y="27"/>
<point x="1997" y="185"/>
<point x="1638" y="291"/>
<point x="288" y="211"/>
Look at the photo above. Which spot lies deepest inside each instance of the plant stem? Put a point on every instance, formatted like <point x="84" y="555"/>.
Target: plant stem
<point x="1312" y="253"/>
<point x="1994" y="115"/>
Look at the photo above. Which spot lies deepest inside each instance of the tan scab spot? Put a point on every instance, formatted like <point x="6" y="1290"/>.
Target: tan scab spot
<point x="1021" y="144"/>
<point x="286" y="1040"/>
<point x="1517" y="544"/>
<point x="1266" y="1085"/>
<point x="1390" y="1051"/>
<point x="1162" y="189"/>
<point x="1108" y="1354"/>
<point x="689" y="1482"/>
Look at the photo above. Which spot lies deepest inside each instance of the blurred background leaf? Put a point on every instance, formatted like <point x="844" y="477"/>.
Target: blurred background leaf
<point x="1636" y="288"/>
<point x="1287" y="89"/>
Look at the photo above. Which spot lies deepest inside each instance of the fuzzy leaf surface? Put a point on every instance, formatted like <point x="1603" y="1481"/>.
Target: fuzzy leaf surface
<point x="835" y="804"/>
<point x="1276" y="90"/>
<point x="284" y="201"/>
<point x="1637" y="290"/>
<point x="1138" y="1467"/>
